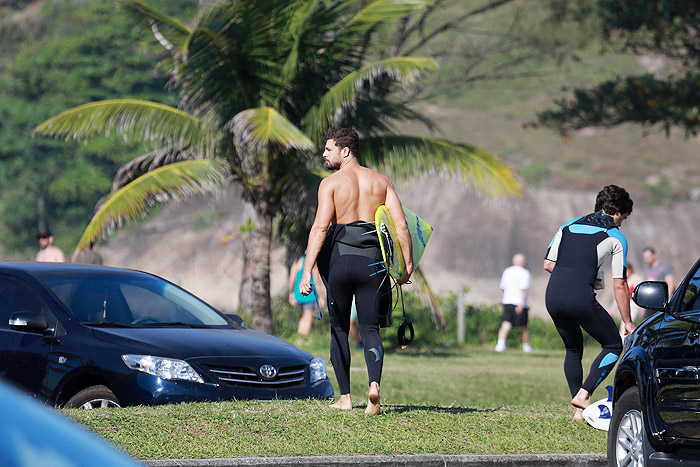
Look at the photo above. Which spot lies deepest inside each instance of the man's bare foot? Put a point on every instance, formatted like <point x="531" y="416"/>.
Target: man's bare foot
<point x="373" y="407"/>
<point x="582" y="399"/>
<point x="344" y="403"/>
<point x="578" y="414"/>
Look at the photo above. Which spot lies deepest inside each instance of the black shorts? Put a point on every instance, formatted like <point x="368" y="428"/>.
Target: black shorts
<point x="517" y="320"/>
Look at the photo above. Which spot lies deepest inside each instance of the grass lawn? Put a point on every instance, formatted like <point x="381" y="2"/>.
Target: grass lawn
<point x="461" y="401"/>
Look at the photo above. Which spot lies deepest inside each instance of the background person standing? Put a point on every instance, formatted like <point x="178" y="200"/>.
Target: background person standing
<point x="515" y="283"/>
<point x="87" y="255"/>
<point x="48" y="252"/>
<point x="655" y="270"/>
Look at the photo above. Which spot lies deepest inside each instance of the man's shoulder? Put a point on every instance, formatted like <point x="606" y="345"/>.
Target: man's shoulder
<point x="367" y="172"/>
<point x="330" y="180"/>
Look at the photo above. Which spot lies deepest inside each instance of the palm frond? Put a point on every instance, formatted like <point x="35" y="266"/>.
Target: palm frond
<point x="130" y="118"/>
<point x="229" y="60"/>
<point x="211" y="75"/>
<point x="383" y="11"/>
<point x="256" y="129"/>
<point x="298" y="204"/>
<point x="298" y="21"/>
<point x="150" y="161"/>
<point x="343" y="93"/>
<point x="406" y="156"/>
<point x="168" y="31"/>
<point x="133" y="200"/>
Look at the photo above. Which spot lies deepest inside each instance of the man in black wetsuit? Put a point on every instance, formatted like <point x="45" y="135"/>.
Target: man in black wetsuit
<point x="344" y="242"/>
<point x="576" y="252"/>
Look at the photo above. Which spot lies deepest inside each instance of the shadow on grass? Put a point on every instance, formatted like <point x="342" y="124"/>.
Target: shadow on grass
<point x="433" y="408"/>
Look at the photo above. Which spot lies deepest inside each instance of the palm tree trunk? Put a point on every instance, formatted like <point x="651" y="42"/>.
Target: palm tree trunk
<point x="262" y="311"/>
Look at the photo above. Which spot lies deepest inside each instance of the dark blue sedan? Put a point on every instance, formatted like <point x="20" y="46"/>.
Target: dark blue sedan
<point x="91" y="336"/>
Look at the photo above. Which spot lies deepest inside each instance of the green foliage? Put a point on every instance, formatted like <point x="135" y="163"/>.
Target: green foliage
<point x="664" y="27"/>
<point x="643" y="99"/>
<point x="536" y="174"/>
<point x="661" y="192"/>
<point x="76" y="53"/>
<point x="499" y="52"/>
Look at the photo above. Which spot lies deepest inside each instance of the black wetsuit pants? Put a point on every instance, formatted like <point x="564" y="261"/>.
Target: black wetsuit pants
<point x="359" y="276"/>
<point x="574" y="308"/>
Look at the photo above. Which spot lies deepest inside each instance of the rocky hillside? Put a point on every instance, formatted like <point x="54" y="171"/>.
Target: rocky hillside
<point x="198" y="244"/>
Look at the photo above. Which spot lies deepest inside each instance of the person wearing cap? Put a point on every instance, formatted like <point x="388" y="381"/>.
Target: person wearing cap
<point x="49" y="252"/>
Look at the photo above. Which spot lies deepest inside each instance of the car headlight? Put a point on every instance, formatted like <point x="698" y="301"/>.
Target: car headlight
<point x="166" y="368"/>
<point x="318" y="370"/>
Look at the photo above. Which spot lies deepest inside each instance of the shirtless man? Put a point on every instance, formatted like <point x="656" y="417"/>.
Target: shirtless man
<point x="49" y="252"/>
<point x="343" y="241"/>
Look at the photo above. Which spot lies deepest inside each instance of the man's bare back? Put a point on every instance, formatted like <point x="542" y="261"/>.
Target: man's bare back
<point x="357" y="193"/>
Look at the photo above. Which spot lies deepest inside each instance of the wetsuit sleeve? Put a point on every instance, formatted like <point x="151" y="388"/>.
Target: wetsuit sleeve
<point x="618" y="252"/>
<point x="553" y="248"/>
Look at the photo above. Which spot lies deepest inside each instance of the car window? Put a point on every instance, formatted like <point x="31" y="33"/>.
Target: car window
<point x="129" y="300"/>
<point x="691" y="293"/>
<point x="17" y="296"/>
<point x="145" y="304"/>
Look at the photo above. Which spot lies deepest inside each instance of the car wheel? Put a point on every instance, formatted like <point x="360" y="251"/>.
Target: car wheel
<point x="627" y="439"/>
<point x="94" y="397"/>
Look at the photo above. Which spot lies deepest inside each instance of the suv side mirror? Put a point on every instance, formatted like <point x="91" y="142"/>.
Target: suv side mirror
<point x="28" y="321"/>
<point x="651" y="295"/>
<point x="236" y="318"/>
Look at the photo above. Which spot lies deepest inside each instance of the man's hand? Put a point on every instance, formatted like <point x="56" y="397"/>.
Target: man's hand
<point x="305" y="284"/>
<point x="629" y="328"/>
<point x="519" y="309"/>
<point x="406" y="275"/>
<point x="548" y="265"/>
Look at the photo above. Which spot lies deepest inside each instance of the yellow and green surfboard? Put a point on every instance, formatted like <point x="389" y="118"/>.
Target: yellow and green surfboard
<point x="419" y="230"/>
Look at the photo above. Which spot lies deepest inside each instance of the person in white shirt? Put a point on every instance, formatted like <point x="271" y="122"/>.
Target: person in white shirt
<point x="515" y="283"/>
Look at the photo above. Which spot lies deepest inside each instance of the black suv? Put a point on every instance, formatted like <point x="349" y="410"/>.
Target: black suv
<point x="656" y="397"/>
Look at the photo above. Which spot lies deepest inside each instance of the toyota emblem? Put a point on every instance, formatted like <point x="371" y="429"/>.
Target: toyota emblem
<point x="268" y="372"/>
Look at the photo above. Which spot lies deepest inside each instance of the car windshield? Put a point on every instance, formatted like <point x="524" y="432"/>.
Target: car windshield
<point x="125" y="299"/>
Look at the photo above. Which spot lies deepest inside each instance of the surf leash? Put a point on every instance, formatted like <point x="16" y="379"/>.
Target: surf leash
<point x="405" y="333"/>
<point x="318" y="305"/>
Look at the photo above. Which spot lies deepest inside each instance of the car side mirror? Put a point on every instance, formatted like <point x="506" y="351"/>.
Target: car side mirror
<point x="651" y="295"/>
<point x="28" y="321"/>
<point x="236" y="318"/>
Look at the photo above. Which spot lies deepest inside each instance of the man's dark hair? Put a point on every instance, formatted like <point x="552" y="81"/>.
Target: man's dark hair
<point x="650" y="250"/>
<point x="345" y="138"/>
<point x="613" y="199"/>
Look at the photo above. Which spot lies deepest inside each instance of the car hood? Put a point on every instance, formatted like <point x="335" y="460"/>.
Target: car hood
<point x="184" y="343"/>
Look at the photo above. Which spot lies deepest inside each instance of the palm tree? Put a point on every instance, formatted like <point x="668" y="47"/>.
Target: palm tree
<point x="259" y="82"/>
